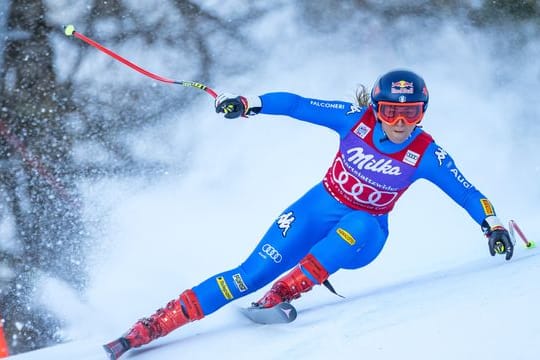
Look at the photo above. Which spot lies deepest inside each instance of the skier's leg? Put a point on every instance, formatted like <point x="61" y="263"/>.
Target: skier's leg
<point x="354" y="242"/>
<point x="178" y="312"/>
<point x="286" y="242"/>
<point x="175" y="314"/>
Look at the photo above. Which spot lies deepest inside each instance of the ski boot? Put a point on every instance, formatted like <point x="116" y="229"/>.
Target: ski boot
<point x="302" y="278"/>
<point x="178" y="312"/>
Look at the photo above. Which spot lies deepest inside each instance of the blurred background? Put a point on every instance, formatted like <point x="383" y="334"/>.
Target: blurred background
<point x="81" y="133"/>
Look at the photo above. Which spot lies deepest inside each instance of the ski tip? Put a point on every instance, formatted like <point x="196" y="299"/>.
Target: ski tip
<point x="69" y="30"/>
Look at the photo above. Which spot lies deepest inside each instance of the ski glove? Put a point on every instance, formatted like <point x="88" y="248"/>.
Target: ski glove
<point x="499" y="240"/>
<point x="234" y="106"/>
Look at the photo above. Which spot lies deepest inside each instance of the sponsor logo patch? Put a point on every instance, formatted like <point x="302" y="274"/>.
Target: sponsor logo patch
<point x="441" y="155"/>
<point x="488" y="208"/>
<point x="328" y="105"/>
<point x="239" y="282"/>
<point x="460" y="178"/>
<point x="268" y="250"/>
<point x="284" y="222"/>
<point x="411" y="157"/>
<point x="224" y="288"/>
<point x="349" y="239"/>
<point x="402" y="87"/>
<point x="357" y="190"/>
<point x="354" y="109"/>
<point x="362" y="130"/>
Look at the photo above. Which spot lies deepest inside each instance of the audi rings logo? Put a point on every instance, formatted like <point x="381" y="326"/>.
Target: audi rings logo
<point x="360" y="192"/>
<point x="269" y="251"/>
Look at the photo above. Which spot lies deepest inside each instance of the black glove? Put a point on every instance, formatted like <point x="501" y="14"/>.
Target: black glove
<point x="499" y="240"/>
<point x="235" y="106"/>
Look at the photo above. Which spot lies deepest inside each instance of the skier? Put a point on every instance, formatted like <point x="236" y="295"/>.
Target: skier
<point x="342" y="222"/>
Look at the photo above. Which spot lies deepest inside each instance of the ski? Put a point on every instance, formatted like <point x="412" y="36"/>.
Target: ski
<point x="282" y="313"/>
<point x="116" y="348"/>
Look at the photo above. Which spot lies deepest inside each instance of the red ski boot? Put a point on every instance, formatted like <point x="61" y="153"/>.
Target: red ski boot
<point x="178" y="312"/>
<point x="290" y="286"/>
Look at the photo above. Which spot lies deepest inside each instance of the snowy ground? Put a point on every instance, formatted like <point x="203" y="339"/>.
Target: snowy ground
<point x="484" y="309"/>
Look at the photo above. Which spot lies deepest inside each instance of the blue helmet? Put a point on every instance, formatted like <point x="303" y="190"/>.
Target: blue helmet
<point x="400" y="86"/>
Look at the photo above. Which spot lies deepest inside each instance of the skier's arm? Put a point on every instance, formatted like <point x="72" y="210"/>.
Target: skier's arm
<point x="336" y="115"/>
<point x="438" y="167"/>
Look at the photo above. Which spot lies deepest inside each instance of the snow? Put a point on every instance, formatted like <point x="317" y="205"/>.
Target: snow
<point x="485" y="309"/>
<point x="433" y="293"/>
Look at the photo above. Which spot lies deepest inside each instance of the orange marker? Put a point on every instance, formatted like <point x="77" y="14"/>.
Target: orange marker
<point x="3" y="344"/>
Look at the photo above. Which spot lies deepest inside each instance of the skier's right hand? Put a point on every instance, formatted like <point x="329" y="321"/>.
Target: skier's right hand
<point x="234" y="106"/>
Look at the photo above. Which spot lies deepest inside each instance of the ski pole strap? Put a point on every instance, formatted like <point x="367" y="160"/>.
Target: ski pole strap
<point x="514" y="228"/>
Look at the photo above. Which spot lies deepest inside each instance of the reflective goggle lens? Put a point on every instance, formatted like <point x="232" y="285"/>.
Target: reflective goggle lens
<point x="391" y="112"/>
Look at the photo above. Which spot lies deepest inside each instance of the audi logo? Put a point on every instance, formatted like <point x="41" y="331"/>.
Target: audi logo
<point x="268" y="250"/>
<point x="361" y="192"/>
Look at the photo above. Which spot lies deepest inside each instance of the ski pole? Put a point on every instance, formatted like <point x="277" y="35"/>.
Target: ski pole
<point x="34" y="162"/>
<point x="513" y="226"/>
<point x="69" y="30"/>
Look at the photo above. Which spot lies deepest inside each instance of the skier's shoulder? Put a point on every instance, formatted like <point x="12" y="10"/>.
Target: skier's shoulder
<point x="435" y="155"/>
<point x="422" y="136"/>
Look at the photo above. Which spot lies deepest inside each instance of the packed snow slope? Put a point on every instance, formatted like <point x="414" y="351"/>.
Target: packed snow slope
<point x="483" y="309"/>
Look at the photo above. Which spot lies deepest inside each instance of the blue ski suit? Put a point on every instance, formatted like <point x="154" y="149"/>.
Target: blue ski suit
<point x="343" y="220"/>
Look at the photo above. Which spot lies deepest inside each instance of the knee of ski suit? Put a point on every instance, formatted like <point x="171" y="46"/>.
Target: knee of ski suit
<point x="355" y="241"/>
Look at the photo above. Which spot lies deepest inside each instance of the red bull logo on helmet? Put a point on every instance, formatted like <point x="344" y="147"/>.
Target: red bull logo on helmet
<point x="402" y="87"/>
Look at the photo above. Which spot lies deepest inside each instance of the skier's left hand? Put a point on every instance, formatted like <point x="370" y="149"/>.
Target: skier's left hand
<point x="234" y="106"/>
<point x="499" y="240"/>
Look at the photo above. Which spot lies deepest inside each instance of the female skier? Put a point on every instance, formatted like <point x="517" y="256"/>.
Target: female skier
<point x="342" y="222"/>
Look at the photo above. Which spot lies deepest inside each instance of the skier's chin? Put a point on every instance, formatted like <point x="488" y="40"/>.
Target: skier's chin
<point x="397" y="136"/>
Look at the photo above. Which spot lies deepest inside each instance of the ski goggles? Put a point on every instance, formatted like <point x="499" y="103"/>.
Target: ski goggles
<point x="391" y="112"/>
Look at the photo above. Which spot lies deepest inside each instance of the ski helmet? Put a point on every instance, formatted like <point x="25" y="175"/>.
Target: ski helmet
<point x="400" y="86"/>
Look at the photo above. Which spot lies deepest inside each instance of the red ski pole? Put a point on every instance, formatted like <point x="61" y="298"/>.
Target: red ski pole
<point x="513" y="226"/>
<point x="69" y="30"/>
